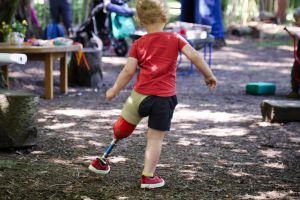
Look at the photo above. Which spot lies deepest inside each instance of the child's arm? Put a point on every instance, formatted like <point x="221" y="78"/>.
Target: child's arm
<point x="201" y="65"/>
<point x="123" y="79"/>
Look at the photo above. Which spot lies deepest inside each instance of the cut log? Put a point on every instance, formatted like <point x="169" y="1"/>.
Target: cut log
<point x="18" y="118"/>
<point x="280" y="111"/>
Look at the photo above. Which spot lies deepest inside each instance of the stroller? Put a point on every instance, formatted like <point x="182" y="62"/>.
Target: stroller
<point x="111" y="21"/>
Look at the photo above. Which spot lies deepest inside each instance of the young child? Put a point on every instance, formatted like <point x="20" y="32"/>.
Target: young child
<point x="295" y="74"/>
<point x="154" y="92"/>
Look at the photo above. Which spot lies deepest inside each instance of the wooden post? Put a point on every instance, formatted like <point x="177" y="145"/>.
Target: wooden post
<point x="281" y="10"/>
<point x="64" y="74"/>
<point x="49" y="76"/>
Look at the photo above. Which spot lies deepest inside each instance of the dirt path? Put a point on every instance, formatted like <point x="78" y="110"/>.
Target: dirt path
<point x="218" y="147"/>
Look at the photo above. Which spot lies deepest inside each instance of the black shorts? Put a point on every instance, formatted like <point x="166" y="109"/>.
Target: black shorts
<point x="160" y="111"/>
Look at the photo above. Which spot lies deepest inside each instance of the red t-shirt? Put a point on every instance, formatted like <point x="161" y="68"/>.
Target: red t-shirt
<point x="157" y="58"/>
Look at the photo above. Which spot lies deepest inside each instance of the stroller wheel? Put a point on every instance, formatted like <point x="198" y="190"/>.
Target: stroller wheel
<point x="121" y="47"/>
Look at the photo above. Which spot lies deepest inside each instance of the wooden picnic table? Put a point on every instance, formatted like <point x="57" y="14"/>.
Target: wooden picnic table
<point x="47" y="54"/>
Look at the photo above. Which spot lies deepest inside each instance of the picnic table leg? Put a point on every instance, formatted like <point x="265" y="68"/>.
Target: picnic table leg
<point x="64" y="74"/>
<point x="5" y="74"/>
<point x="49" y="76"/>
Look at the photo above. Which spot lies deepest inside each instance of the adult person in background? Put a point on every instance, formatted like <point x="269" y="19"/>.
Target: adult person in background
<point x="62" y="8"/>
<point x="295" y="73"/>
<point x="206" y="12"/>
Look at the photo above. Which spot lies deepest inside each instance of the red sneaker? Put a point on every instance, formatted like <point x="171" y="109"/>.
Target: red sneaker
<point x="98" y="167"/>
<point x="152" y="182"/>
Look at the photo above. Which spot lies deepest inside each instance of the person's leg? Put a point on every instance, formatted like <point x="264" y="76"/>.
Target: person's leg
<point x="123" y="128"/>
<point x="54" y="11"/>
<point x="152" y="155"/>
<point x="209" y="12"/>
<point x="187" y="12"/>
<point x="67" y="15"/>
<point x="294" y="80"/>
<point x="153" y="150"/>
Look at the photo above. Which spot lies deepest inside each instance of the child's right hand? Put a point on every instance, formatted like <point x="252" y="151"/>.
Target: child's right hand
<point x="110" y="94"/>
<point x="211" y="82"/>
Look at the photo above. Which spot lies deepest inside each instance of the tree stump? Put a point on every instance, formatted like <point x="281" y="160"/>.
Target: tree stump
<point x="280" y="111"/>
<point x="18" y="118"/>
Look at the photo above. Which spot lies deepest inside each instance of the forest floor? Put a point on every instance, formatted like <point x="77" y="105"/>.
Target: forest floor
<point x="218" y="147"/>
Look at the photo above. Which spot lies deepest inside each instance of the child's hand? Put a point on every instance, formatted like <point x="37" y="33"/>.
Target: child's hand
<point x="211" y="82"/>
<point x="110" y="94"/>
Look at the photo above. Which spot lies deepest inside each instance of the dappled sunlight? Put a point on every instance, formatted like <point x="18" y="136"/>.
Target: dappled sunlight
<point x="238" y="174"/>
<point x="75" y="112"/>
<point x="295" y="139"/>
<point x="233" y="68"/>
<point x="233" y="42"/>
<point x="114" y="60"/>
<point x="189" y="172"/>
<point x="102" y="120"/>
<point x="117" y="159"/>
<point x="270" y="153"/>
<point x="186" y="126"/>
<point x="263" y="124"/>
<point x="203" y="115"/>
<point x="122" y="197"/>
<point x="60" y="125"/>
<point x="268" y="195"/>
<point x="263" y="63"/>
<point x="285" y="48"/>
<point x="112" y="159"/>
<point x="242" y="151"/>
<point x="81" y="134"/>
<point x="234" y="55"/>
<point x="164" y="165"/>
<point x="38" y="152"/>
<point x="227" y="143"/>
<point x="276" y="165"/>
<point x="76" y="138"/>
<point x="23" y="75"/>
<point x="63" y="162"/>
<point x="80" y="146"/>
<point x="222" y="131"/>
<point x="97" y="144"/>
<point x="184" y="141"/>
<point x="85" y="159"/>
<point x="81" y="113"/>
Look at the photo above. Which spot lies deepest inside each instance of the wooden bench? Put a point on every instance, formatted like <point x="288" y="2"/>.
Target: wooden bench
<point x="48" y="55"/>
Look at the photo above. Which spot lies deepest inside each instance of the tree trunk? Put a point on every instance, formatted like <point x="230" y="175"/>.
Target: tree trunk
<point x="18" y="119"/>
<point x="281" y="11"/>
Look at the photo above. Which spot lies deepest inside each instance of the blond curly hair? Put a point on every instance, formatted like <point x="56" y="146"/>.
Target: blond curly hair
<point x="151" y="11"/>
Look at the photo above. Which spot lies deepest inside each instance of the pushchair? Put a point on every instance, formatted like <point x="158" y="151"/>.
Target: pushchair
<point x="111" y="21"/>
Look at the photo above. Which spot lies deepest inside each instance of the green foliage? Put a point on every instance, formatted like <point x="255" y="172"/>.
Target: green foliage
<point x="19" y="27"/>
<point x="234" y="11"/>
<point x="43" y="12"/>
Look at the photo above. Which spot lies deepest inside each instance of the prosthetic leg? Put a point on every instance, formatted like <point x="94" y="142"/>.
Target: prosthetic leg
<point x="122" y="129"/>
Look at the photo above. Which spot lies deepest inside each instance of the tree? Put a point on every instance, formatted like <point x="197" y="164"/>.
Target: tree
<point x="7" y="14"/>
